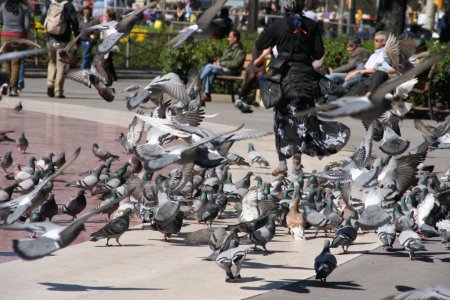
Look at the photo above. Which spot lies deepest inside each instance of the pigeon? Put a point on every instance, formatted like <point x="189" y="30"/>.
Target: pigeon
<point x="18" y="55"/>
<point x="325" y="262"/>
<point x="28" y="202"/>
<point x="296" y="221"/>
<point x="371" y="106"/>
<point x="90" y="78"/>
<point x="167" y="228"/>
<point x="344" y="236"/>
<point x="134" y="135"/>
<point x="393" y="144"/>
<point x="255" y="156"/>
<point x="387" y="235"/>
<point x="55" y="236"/>
<point x="203" y="28"/>
<point x="117" y="30"/>
<point x="6" y="161"/>
<point x="49" y="208"/>
<point x="169" y="83"/>
<point x="102" y="154"/>
<point x="75" y="206"/>
<point x="397" y="53"/>
<point x="13" y="44"/>
<point x="231" y="262"/>
<point x="411" y="241"/>
<point x="265" y="234"/>
<point x="89" y="182"/>
<point x="114" y="229"/>
<point x="18" y="108"/>
<point x="316" y="219"/>
<point x="22" y="143"/>
<point x="435" y="292"/>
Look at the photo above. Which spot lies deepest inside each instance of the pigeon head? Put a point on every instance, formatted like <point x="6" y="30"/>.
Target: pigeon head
<point x="251" y="147"/>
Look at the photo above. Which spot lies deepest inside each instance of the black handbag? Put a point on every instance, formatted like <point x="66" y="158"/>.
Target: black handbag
<point x="271" y="93"/>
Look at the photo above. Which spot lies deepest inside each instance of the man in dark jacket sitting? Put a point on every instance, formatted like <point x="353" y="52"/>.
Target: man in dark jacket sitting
<point x="230" y="63"/>
<point x="358" y="56"/>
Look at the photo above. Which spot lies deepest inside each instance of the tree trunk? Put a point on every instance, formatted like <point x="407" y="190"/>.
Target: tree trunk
<point x="391" y="16"/>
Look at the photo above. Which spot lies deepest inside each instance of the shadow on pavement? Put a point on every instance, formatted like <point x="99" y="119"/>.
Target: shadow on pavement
<point x="302" y="286"/>
<point x="256" y="265"/>
<point x="59" y="287"/>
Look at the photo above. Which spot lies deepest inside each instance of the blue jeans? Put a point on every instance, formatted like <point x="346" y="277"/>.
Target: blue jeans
<point x="207" y="75"/>
<point x="86" y="57"/>
<point x="339" y="79"/>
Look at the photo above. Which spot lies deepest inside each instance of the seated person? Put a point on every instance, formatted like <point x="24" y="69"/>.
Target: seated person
<point x="230" y="63"/>
<point x="253" y="74"/>
<point x="358" y="56"/>
<point x="375" y="62"/>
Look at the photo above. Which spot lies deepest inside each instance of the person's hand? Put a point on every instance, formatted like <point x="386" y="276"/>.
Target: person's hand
<point x="351" y="74"/>
<point x="267" y="51"/>
<point x="330" y="70"/>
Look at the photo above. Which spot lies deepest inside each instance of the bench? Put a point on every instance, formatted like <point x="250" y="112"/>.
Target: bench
<point x="229" y="80"/>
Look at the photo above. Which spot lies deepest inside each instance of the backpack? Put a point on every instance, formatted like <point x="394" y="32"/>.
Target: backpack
<point x="55" y="22"/>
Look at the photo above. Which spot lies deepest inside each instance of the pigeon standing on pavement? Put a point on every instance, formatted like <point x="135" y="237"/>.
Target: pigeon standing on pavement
<point x="264" y="234"/>
<point x="22" y="143"/>
<point x="49" y="208"/>
<point x="256" y="157"/>
<point x="387" y="235"/>
<point x="76" y="205"/>
<point x="6" y="161"/>
<point x="344" y="236"/>
<point x="411" y="241"/>
<point x="102" y="154"/>
<point x="325" y="262"/>
<point x="231" y="261"/>
<point x="18" y="108"/>
<point x="114" y="229"/>
<point x="55" y="236"/>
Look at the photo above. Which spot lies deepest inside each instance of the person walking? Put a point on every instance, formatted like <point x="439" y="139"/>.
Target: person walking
<point x="60" y="21"/>
<point x="88" y="39"/>
<point x="299" y="42"/>
<point x="15" y="18"/>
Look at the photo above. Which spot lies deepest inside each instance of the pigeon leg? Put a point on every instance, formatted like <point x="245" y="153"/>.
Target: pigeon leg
<point x="317" y="232"/>
<point x="117" y="240"/>
<point x="326" y="232"/>
<point x="107" y="242"/>
<point x="266" y="251"/>
<point x="411" y="256"/>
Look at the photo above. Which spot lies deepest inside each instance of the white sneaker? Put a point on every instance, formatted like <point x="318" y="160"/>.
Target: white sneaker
<point x="5" y="89"/>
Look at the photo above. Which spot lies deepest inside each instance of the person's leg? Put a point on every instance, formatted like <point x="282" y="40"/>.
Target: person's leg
<point x="15" y="69"/>
<point x="61" y="69"/>
<point x="351" y="82"/>
<point x="86" y="55"/>
<point x="6" y="65"/>
<point x="336" y="77"/>
<point x="51" y="71"/>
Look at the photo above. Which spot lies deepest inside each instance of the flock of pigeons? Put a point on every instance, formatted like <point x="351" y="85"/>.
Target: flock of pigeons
<point x="363" y="192"/>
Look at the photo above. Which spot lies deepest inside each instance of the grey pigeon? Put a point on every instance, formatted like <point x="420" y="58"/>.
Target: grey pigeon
<point x="255" y="156"/>
<point x="102" y="154"/>
<point x="325" y="262"/>
<point x="265" y="234"/>
<point x="18" y="107"/>
<point x="436" y="292"/>
<point x="114" y="229"/>
<point x="22" y="143"/>
<point x="55" y="236"/>
<point x="387" y="235"/>
<point x="316" y="219"/>
<point x="344" y="236"/>
<point x="411" y="241"/>
<point x="6" y="161"/>
<point x="231" y="262"/>
<point x="371" y="106"/>
<point x="393" y="144"/>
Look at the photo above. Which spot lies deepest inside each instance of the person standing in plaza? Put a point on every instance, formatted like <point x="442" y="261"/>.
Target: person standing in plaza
<point x="15" y="18"/>
<point x="299" y="42"/>
<point x="60" y="21"/>
<point x="88" y="39"/>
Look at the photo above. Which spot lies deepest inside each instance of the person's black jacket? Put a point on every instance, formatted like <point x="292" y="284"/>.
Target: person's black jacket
<point x="70" y="14"/>
<point x="308" y="41"/>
